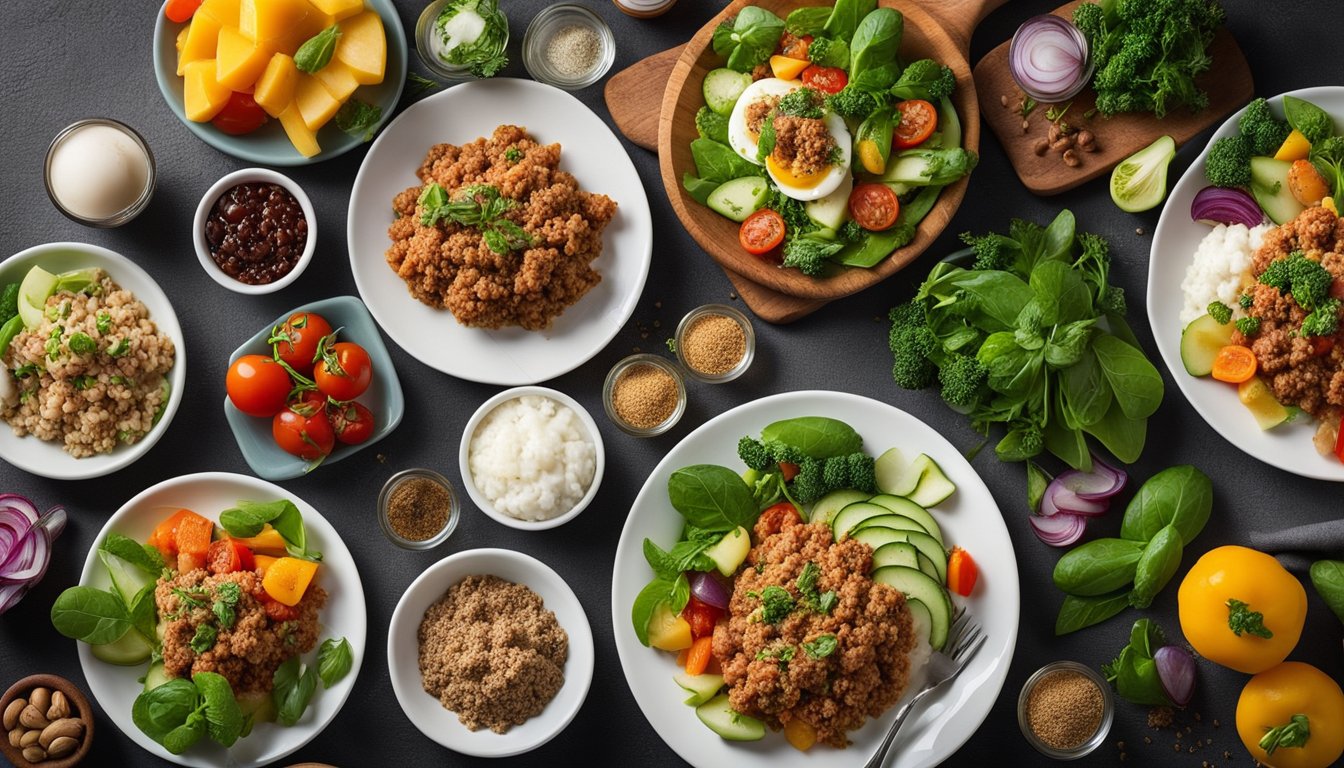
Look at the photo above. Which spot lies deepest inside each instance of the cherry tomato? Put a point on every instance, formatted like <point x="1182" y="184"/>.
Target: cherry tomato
<point x="825" y="79"/>
<point x="241" y="115"/>
<point x="344" y="370"/>
<point x="307" y="436"/>
<point x="181" y="10"/>
<point x="918" y="119"/>
<point x="793" y="46"/>
<point x="776" y="518"/>
<point x="789" y="470"/>
<point x="278" y="612"/>
<point x="762" y="232"/>
<point x="257" y="385"/>
<point x="874" y="206"/>
<point x="701" y="616"/>
<point x="229" y="556"/>
<point x="295" y="340"/>
<point x="352" y="422"/>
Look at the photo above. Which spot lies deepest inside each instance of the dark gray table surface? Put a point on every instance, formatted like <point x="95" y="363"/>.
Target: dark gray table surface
<point x="65" y="60"/>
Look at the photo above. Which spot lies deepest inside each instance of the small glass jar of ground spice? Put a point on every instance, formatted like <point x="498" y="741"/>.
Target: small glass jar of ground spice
<point x="568" y="46"/>
<point x="715" y="343"/>
<point x="644" y="395"/>
<point x="418" y="509"/>
<point x="1065" y="710"/>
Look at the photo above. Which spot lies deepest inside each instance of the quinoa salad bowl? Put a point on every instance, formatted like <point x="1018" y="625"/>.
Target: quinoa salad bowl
<point x="63" y="439"/>
<point x="344" y="614"/>
<point x="1177" y="292"/>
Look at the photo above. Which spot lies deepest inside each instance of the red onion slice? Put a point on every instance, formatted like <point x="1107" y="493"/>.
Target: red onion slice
<point x="1048" y="58"/>
<point x="709" y="590"/>
<point x="1226" y="205"/>
<point x="10" y="595"/>
<point x="1176" y="671"/>
<point x="25" y="545"/>
<point x="1058" y="530"/>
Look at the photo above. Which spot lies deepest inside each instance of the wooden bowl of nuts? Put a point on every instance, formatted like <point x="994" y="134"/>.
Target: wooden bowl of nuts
<point x="47" y="721"/>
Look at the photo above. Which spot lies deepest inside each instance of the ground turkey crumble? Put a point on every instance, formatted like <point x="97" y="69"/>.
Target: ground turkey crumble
<point x="803" y="144"/>
<point x="868" y="670"/>
<point x="756" y="112"/>
<point x="492" y="653"/>
<point x="448" y="266"/>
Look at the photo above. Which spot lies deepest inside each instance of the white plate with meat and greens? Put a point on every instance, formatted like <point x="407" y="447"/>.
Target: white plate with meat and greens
<point x="772" y="538"/>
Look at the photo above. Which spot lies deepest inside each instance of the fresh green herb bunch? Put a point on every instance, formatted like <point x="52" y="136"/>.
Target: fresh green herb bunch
<point x="480" y="206"/>
<point x="485" y="56"/>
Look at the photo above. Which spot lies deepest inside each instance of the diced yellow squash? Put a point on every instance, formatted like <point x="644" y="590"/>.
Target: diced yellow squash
<point x="275" y="88"/>
<point x="363" y="47"/>
<point x="200" y="43"/>
<point x="284" y="25"/>
<point x="225" y="12"/>
<point x="202" y="93"/>
<point x="300" y="135"/>
<point x="315" y="104"/>
<point x="1295" y="147"/>
<point x="240" y="60"/>
<point x="339" y="9"/>
<point x="786" y="68"/>
<point x="338" y="79"/>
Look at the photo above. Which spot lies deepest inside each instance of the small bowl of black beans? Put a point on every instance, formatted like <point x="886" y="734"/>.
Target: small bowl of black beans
<point x="255" y="231"/>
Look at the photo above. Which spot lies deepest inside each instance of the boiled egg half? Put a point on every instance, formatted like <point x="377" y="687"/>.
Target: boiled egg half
<point x="743" y="140"/>
<point x="745" y="143"/>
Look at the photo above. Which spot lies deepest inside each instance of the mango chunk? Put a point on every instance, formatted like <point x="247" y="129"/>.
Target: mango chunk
<point x="200" y="43"/>
<point x="239" y="60"/>
<point x="182" y="38"/>
<point x="338" y="79"/>
<point x="363" y="47"/>
<point x="275" y="88"/>
<point x="315" y="104"/>
<point x="284" y="25"/>
<point x="300" y="135"/>
<point x="339" y="9"/>
<point x="1295" y="147"/>
<point x="202" y="93"/>
<point x="225" y="12"/>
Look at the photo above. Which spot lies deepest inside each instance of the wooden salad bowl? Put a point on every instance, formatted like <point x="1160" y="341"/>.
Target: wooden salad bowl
<point x="945" y="39"/>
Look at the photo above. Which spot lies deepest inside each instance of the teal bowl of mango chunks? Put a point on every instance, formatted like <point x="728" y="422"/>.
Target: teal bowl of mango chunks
<point x="383" y="398"/>
<point x="270" y="144"/>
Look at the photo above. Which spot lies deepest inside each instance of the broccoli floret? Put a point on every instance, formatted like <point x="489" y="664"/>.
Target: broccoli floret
<point x="828" y="52"/>
<point x="783" y="453"/>
<point x="835" y="472"/>
<point x="1220" y="312"/>
<point x="1245" y="300"/>
<point x="810" y="482"/>
<point x="810" y="255"/>
<point x="1310" y="281"/>
<point x="1249" y="326"/>
<point x="754" y="454"/>
<point x="804" y="102"/>
<point x="794" y="214"/>
<point x="963" y="381"/>
<point x="924" y="79"/>
<point x="1276" y="274"/>
<point x="1262" y="129"/>
<point x="1229" y="162"/>
<point x="1328" y="157"/>
<point x="862" y="475"/>
<point x="992" y="251"/>
<point x="911" y="343"/>
<point x="1113" y="301"/>
<point x="1090" y="19"/>
<point x="711" y="125"/>
<point x="852" y="103"/>
<point x="1323" y="320"/>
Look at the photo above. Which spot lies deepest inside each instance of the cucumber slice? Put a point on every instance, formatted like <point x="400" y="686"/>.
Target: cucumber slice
<point x="37" y="285"/>
<point x="737" y="199"/>
<point x="719" y="716"/>
<point x="918" y="586"/>
<point x="893" y="473"/>
<point x="896" y="553"/>
<point x="847" y="519"/>
<point x="928" y="547"/>
<point x="128" y="651"/>
<point x="832" y="211"/>
<point x="1269" y="187"/>
<point x="827" y="506"/>
<point x="920" y="617"/>
<point x="729" y="552"/>
<point x="701" y="687"/>
<point x="1258" y="398"/>
<point x="1200" y="342"/>
<point x="890" y="522"/>
<point x="914" y="170"/>
<point x="934" y="487"/>
<point x="127" y="578"/>
<point x="156" y="676"/>
<point x="913" y="511"/>
<point x="926" y="565"/>
<point x="722" y="88"/>
<point x="1139" y="182"/>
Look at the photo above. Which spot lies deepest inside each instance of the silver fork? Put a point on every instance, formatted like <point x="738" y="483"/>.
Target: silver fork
<point x="964" y="638"/>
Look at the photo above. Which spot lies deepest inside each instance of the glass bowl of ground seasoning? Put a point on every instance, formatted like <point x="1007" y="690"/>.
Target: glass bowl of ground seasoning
<point x="715" y="343"/>
<point x="1065" y="710"/>
<point x="644" y="395"/>
<point x="418" y="509"/>
<point x="255" y="231"/>
<point x="568" y="46"/>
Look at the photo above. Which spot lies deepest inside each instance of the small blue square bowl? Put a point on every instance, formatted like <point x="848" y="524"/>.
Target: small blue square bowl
<point x="383" y="397"/>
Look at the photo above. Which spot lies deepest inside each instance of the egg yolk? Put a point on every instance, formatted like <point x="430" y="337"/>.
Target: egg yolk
<point x="785" y="177"/>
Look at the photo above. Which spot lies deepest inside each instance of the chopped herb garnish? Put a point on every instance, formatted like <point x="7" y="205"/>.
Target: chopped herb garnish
<point x="821" y="602"/>
<point x="54" y="342"/>
<point x="1028" y="104"/>
<point x="513" y="154"/>
<point x="104" y="323"/>
<point x="205" y="637"/>
<point x="82" y="343"/>
<point x="121" y="347"/>
<point x="776" y="604"/>
<point x="480" y="206"/>
<point x="120" y="381"/>
<point x="84" y="382"/>
<point x="227" y="595"/>
<point x="29" y="369"/>
<point x="781" y="653"/>
<point x="820" y="647"/>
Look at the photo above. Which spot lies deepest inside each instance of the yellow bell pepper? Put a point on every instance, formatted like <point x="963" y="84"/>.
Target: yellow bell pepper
<point x="1241" y="609"/>
<point x="268" y="540"/>
<point x="287" y="579"/>
<point x="786" y="68"/>
<point x="264" y="563"/>
<point x="667" y="630"/>
<point x="1295" y="147"/>
<point x="1292" y="716"/>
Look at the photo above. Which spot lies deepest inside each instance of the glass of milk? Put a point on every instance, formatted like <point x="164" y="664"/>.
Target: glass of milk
<point x="100" y="172"/>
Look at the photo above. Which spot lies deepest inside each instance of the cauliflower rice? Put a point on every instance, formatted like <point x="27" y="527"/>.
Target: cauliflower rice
<point x="1220" y="269"/>
<point x="532" y="458"/>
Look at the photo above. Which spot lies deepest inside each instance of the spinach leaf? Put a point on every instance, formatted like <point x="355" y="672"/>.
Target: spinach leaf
<point x="654" y="594"/>
<point x="1068" y="343"/>
<point x="991" y="300"/>
<point x="749" y="39"/>
<point x="1028" y="333"/>
<point x="142" y="556"/>
<point x="9" y="303"/>
<point x="1079" y="612"/>
<point x="143" y="615"/>
<point x="711" y="497"/>
<point x="816" y="436"/>
<point x="334" y="660"/>
<point x="845" y="17"/>
<point x="1015" y="445"/>
<point x="875" y="247"/>
<point x="1014" y="372"/>
<point x="698" y="188"/>
<point x="717" y="163"/>
<point x="685" y="556"/>
<point x="289" y="524"/>
<point x="876" y="41"/>
<point x="1181" y="496"/>
<point x="293" y="689"/>
<point x="1087" y="394"/>
<point x="1309" y="119"/>
<point x="1134" y="673"/>
<point x="1327" y="576"/>
<point x="1068" y="444"/>
<point x="1098" y="567"/>
<point x="223" y="717"/>
<point x="248" y="518"/>
<point x="809" y="21"/>
<point x="157" y="711"/>
<point x="184" y="736"/>
<point x="92" y="615"/>
<point x="1061" y="292"/>
<point x="1161" y="558"/>
<point x="1121" y="435"/>
<point x="1057" y="241"/>
<point x="1137" y="384"/>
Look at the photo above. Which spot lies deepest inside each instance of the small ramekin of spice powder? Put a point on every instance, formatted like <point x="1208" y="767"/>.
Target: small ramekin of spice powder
<point x="418" y="509"/>
<point x="568" y="46"/>
<point x="255" y="231"/>
<point x="715" y="343"/>
<point x="1065" y="710"/>
<point x="644" y="395"/>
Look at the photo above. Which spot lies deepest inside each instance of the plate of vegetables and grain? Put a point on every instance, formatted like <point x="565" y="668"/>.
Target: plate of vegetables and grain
<point x="281" y="82"/>
<point x="1244" y="281"/>
<point x="887" y="516"/>
<point x="296" y="600"/>
<point x="473" y="267"/>
<point x="86" y="326"/>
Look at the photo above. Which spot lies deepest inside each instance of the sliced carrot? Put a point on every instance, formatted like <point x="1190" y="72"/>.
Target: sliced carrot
<point x="165" y="533"/>
<point x="962" y="572"/>
<point x="1234" y="364"/>
<point x="193" y="534"/>
<point x="702" y="650"/>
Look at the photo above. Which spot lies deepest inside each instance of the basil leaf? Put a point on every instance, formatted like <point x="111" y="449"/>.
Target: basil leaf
<point x="248" y="518"/>
<point x="316" y="52"/>
<point x="1181" y="496"/>
<point x="1080" y="612"/>
<point x="1137" y="384"/>
<point x="293" y="688"/>
<point x="334" y="660"/>
<point x="1160" y="561"/>
<point x="816" y="436"/>
<point x="91" y="615"/>
<point x="359" y="119"/>
<point x="654" y="594"/>
<point x="1098" y="567"/>
<point x="821" y="646"/>
<point x="142" y="556"/>
<point x="223" y="716"/>
<point x="156" y="712"/>
<point x="1327" y="576"/>
<point x="711" y="497"/>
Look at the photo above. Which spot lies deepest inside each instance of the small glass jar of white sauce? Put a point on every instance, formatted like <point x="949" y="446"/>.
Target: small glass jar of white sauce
<point x="99" y="172"/>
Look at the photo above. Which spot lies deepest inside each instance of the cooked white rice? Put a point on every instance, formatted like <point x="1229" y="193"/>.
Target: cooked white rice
<point x="1219" y="269"/>
<point x="532" y="458"/>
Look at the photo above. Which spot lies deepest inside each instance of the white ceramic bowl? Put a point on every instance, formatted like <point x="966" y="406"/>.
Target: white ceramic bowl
<point x="403" y="658"/>
<point x="49" y="459"/>
<point x="212" y="195"/>
<point x="479" y="499"/>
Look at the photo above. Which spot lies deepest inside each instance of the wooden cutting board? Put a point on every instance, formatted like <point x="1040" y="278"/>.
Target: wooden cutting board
<point x="1228" y="84"/>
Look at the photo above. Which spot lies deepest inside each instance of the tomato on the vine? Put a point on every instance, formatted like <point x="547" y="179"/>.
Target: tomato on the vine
<point x="352" y="422"/>
<point x="344" y="370"/>
<point x="300" y="433"/>
<point x="257" y="385"/>
<point x="295" y="340"/>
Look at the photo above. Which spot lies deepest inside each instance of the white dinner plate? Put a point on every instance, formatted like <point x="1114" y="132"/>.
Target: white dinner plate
<point x="970" y="519"/>
<point x="589" y="150"/>
<point x="1175" y="241"/>
<point x="208" y="494"/>
<point x="49" y="459"/>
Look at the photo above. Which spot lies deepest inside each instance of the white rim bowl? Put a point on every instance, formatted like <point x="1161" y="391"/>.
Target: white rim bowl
<point x="217" y="190"/>
<point x="403" y="656"/>
<point x="478" y="498"/>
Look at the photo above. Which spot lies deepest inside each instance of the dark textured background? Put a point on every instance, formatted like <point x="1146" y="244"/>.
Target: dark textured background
<point x="66" y="60"/>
